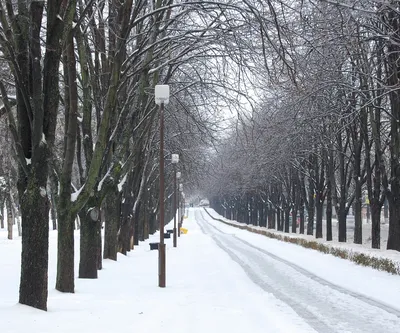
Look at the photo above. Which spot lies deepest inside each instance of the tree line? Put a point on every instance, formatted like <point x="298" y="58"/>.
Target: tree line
<point x="326" y="133"/>
<point x="77" y="84"/>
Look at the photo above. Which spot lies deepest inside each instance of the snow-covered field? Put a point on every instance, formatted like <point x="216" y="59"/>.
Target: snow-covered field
<point x="219" y="279"/>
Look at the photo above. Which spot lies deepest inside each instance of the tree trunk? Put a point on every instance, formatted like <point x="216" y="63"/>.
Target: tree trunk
<point x="319" y="204"/>
<point x="342" y="222"/>
<point x="301" y="216"/>
<point x="53" y="212"/>
<point x="294" y="220"/>
<point x="35" y="244"/>
<point x="99" y="239"/>
<point x="2" y="211"/>
<point x="136" y="227"/>
<point x="19" y="226"/>
<point x="153" y="223"/>
<point x="386" y="211"/>
<point x="246" y="210"/>
<point x="261" y="215"/>
<point x="328" y="211"/>
<point x="90" y="220"/>
<point x="329" y="176"/>
<point x="65" y="251"/>
<point x="295" y="199"/>
<point x="310" y="208"/>
<point x="278" y="219"/>
<point x="376" y="224"/>
<point x="146" y="224"/>
<point x="394" y="217"/>
<point x="10" y="219"/>
<point x="287" y="219"/>
<point x="136" y="230"/>
<point x="394" y="220"/>
<point x="240" y="214"/>
<point x="310" y="219"/>
<point x="141" y="222"/>
<point x="66" y="214"/>
<point x="253" y="211"/>
<point x="113" y="212"/>
<point x="357" y="213"/>
<point x="124" y="235"/>
<point x="358" y="186"/>
<point x="271" y="217"/>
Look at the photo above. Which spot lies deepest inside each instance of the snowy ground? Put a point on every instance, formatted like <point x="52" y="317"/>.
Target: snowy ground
<point x="219" y="279"/>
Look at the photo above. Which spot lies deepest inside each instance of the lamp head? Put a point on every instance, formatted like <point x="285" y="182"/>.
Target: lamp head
<point x="161" y="94"/>
<point x="175" y="158"/>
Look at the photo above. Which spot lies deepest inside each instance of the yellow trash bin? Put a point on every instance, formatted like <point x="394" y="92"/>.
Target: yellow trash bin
<point x="184" y="231"/>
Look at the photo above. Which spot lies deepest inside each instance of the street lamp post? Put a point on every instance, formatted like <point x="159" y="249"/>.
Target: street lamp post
<point x="161" y="95"/>
<point x="175" y="160"/>
<point x="183" y="207"/>
<point x="178" y="177"/>
<point x="180" y="212"/>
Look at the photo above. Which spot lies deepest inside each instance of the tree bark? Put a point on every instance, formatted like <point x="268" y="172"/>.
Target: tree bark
<point x="328" y="208"/>
<point x="319" y="204"/>
<point x="35" y="242"/>
<point x="2" y="211"/>
<point x="301" y="216"/>
<point x="310" y="219"/>
<point x="358" y="187"/>
<point x="287" y="219"/>
<point x="66" y="213"/>
<point x="65" y="254"/>
<point x="342" y="223"/>
<point x="10" y="219"/>
<point x="124" y="235"/>
<point x="100" y="226"/>
<point x="295" y="201"/>
<point x="278" y="220"/>
<point x="311" y="199"/>
<point x="53" y="212"/>
<point x="89" y="232"/>
<point x="113" y="212"/>
<point x="376" y="224"/>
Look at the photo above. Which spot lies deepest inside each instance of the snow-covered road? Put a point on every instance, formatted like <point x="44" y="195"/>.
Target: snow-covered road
<point x="324" y="306"/>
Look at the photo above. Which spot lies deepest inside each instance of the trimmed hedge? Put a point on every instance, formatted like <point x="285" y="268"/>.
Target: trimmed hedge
<point x="363" y="259"/>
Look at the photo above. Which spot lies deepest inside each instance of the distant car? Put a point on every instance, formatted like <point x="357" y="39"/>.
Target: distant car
<point x="204" y="203"/>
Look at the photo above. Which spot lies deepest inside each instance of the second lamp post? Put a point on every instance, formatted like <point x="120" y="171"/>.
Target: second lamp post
<point x="175" y="160"/>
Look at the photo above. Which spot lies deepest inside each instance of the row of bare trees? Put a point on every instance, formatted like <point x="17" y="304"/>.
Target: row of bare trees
<point x="326" y="134"/>
<point x="77" y="79"/>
